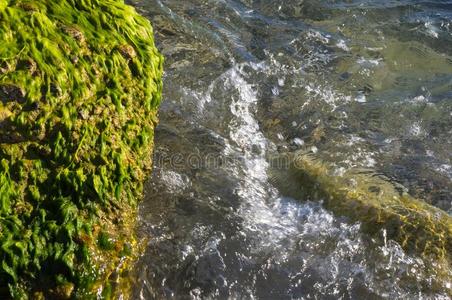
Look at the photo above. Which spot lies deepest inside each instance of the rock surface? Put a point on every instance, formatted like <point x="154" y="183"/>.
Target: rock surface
<point x="80" y="84"/>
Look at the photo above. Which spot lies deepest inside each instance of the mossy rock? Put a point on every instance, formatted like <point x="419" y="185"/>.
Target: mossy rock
<point x="80" y="84"/>
<point x="376" y="203"/>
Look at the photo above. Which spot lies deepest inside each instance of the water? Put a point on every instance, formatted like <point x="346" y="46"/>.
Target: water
<point x="363" y="84"/>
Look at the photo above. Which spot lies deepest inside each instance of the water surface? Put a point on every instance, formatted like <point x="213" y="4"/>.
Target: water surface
<point x="363" y="84"/>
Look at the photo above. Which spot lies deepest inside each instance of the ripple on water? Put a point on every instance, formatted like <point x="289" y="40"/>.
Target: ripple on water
<point x="249" y="79"/>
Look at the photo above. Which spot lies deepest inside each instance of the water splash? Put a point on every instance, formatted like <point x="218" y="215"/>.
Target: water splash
<point x="246" y="81"/>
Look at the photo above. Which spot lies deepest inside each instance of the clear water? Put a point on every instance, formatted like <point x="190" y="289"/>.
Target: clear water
<point x="363" y="84"/>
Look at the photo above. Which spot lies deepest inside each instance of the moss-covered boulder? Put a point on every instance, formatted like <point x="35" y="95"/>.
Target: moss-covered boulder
<point x="80" y="83"/>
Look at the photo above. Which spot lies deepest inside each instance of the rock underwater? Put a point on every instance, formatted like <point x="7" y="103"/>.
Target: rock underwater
<point x="376" y="203"/>
<point x="80" y="85"/>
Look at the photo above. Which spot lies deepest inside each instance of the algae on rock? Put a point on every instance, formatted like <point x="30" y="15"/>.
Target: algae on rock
<point x="376" y="203"/>
<point x="80" y="84"/>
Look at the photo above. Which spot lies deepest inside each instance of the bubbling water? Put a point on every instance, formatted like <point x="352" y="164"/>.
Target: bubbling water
<point x="249" y="80"/>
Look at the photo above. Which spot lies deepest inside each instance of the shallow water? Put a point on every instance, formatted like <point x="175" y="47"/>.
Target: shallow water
<point x="363" y="84"/>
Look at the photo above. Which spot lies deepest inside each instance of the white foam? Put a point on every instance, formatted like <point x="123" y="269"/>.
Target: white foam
<point x="326" y="94"/>
<point x="369" y="62"/>
<point x="175" y="183"/>
<point x="416" y="129"/>
<point x="317" y="35"/>
<point x="361" y="98"/>
<point x="342" y="45"/>
<point x="445" y="169"/>
<point x="431" y="30"/>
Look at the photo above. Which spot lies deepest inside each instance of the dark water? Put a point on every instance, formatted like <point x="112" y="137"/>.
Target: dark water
<point x="364" y="84"/>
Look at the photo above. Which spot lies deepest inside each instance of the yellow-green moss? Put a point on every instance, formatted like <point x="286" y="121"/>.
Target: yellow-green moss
<point x="80" y="84"/>
<point x="376" y="203"/>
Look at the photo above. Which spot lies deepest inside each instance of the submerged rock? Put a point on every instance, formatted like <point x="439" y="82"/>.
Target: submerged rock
<point x="80" y="84"/>
<point x="376" y="203"/>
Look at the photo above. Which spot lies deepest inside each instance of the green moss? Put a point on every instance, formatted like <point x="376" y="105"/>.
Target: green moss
<point x="80" y="84"/>
<point x="376" y="203"/>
